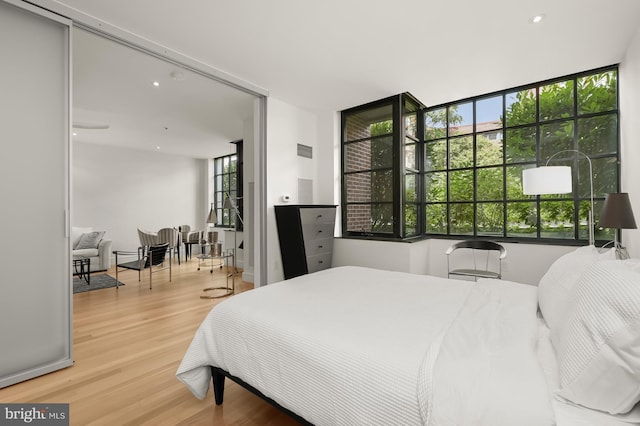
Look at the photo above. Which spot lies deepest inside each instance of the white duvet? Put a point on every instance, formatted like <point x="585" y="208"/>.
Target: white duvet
<point x="359" y="346"/>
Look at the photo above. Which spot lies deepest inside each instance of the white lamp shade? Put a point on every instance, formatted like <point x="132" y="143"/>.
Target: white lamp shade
<point x="547" y="180"/>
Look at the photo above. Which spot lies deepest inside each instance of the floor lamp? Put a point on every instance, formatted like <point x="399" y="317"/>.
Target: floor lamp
<point x="556" y="180"/>
<point x="617" y="213"/>
<point x="212" y="218"/>
<point x="230" y="203"/>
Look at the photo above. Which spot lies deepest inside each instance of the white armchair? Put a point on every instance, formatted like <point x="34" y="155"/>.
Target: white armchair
<point x="92" y="244"/>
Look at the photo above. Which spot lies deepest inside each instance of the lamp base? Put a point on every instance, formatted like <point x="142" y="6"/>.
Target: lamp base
<point x="620" y="250"/>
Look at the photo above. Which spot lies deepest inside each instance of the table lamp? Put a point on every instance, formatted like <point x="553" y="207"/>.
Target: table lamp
<point x="617" y="213"/>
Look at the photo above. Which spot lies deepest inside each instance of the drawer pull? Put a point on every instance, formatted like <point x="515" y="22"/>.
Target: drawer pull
<point x="319" y="216"/>
<point x="320" y="231"/>
<point x="320" y="246"/>
<point x="320" y="261"/>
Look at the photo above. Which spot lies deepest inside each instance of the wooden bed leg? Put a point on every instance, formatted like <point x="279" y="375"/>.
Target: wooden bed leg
<point x="218" y="385"/>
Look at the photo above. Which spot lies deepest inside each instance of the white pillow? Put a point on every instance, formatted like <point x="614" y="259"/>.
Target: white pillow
<point x="90" y="240"/>
<point x="76" y="233"/>
<point x="556" y="285"/>
<point x="599" y="346"/>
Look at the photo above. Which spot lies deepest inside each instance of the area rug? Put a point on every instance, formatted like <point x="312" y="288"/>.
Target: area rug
<point x="97" y="282"/>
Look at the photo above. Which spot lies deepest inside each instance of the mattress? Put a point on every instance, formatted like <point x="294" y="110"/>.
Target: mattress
<point x="359" y="346"/>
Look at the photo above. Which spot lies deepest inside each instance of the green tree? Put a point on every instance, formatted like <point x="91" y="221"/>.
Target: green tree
<point x="381" y="176"/>
<point x="596" y="135"/>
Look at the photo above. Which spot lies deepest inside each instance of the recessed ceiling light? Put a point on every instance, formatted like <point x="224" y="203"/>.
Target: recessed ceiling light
<point x="155" y="83"/>
<point x="158" y="148"/>
<point x="75" y="134"/>
<point x="537" y="19"/>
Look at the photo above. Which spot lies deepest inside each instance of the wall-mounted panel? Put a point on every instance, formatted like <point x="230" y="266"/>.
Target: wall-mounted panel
<point x="35" y="283"/>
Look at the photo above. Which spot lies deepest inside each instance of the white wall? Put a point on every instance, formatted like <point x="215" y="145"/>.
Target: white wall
<point x="288" y="126"/>
<point x="391" y="256"/>
<point x="525" y="263"/>
<point x="119" y="190"/>
<point x="630" y="137"/>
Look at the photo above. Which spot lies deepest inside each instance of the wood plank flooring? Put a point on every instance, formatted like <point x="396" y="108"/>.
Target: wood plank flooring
<point x="128" y="344"/>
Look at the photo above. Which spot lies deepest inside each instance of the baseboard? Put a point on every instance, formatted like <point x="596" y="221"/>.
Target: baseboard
<point x="248" y="276"/>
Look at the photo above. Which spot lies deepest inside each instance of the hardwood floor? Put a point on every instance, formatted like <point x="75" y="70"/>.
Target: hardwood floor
<point x="128" y="344"/>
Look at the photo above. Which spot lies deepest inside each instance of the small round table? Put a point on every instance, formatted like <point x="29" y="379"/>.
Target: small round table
<point x="224" y="258"/>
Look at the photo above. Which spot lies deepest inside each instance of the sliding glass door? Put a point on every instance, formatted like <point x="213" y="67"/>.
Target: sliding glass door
<point x="35" y="282"/>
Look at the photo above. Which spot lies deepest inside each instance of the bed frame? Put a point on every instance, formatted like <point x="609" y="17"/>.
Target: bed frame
<point x="218" y="376"/>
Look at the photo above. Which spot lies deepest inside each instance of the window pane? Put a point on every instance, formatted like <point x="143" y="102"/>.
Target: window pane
<point x="605" y="177"/>
<point x="369" y="186"/>
<point x="556" y="219"/>
<point x="521" y="145"/>
<point x="462" y="219"/>
<point x="435" y="155"/>
<point x="382" y="186"/>
<point x="369" y="154"/>
<point x="490" y="219"/>
<point x="436" y="187"/>
<point x="520" y="107"/>
<point x="514" y="183"/>
<point x="368" y="123"/>
<point x="461" y="185"/>
<point x="489" y="184"/>
<point x="556" y="100"/>
<point x="358" y="187"/>
<point x="382" y="218"/>
<point x="411" y="109"/>
<point x="604" y="234"/>
<point x="461" y="119"/>
<point x="583" y="217"/>
<point x="555" y="137"/>
<point x="488" y="152"/>
<point x="359" y="217"/>
<point x="410" y="187"/>
<point x="461" y="152"/>
<point x="435" y="124"/>
<point x="370" y="218"/>
<point x="410" y="219"/>
<point x="598" y="135"/>
<point x="411" y="125"/>
<point x="436" y="215"/>
<point x="489" y="114"/>
<point x="521" y="220"/>
<point x="410" y="155"/>
<point x="597" y="92"/>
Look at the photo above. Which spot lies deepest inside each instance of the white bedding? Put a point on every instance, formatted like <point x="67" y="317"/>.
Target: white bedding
<point x="354" y="345"/>
<point x="567" y="414"/>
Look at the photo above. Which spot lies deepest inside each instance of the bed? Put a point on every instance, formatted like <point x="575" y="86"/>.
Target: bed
<point x="360" y="346"/>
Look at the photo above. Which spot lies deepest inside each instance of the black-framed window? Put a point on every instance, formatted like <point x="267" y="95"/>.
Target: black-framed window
<point x="228" y="183"/>
<point x="462" y="162"/>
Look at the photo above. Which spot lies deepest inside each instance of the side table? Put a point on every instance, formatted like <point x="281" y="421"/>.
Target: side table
<point x="82" y="267"/>
<point x="225" y="258"/>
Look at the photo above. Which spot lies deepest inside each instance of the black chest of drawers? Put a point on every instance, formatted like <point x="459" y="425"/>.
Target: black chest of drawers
<point x="305" y="233"/>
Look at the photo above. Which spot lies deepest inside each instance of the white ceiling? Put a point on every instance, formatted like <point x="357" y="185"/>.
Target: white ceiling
<point x="186" y="114"/>
<point x="334" y="54"/>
